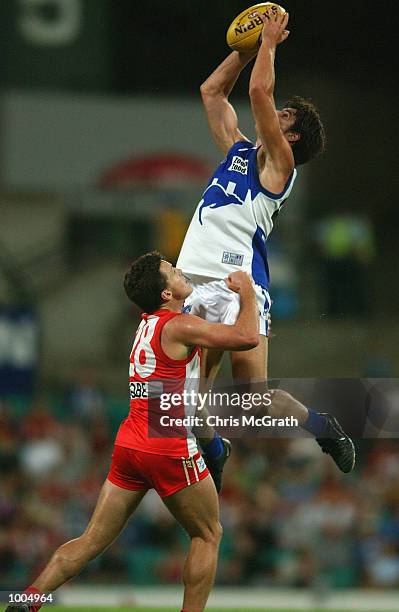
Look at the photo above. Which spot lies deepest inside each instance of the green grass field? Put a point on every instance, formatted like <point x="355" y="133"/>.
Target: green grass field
<point x="51" y="608"/>
<point x="133" y="609"/>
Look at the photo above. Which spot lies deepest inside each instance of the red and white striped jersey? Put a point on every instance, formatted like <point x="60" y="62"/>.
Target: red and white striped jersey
<point x="153" y="379"/>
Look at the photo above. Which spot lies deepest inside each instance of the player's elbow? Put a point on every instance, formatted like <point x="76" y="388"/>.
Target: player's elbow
<point x="247" y="342"/>
<point x="252" y="342"/>
<point x="205" y="90"/>
<point x="210" y="91"/>
<point x="257" y="90"/>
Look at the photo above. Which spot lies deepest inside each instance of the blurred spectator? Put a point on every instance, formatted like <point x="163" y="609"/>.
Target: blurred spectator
<point x="284" y="278"/>
<point x="41" y="456"/>
<point x="86" y="399"/>
<point x="382" y="569"/>
<point x="41" y="451"/>
<point x="172" y="225"/>
<point x="346" y="249"/>
<point x="8" y="438"/>
<point x="39" y="421"/>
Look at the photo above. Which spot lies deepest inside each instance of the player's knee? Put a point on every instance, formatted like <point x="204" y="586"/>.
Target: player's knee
<point x="218" y="532"/>
<point x="70" y="558"/>
<point x="213" y="534"/>
<point x="279" y="403"/>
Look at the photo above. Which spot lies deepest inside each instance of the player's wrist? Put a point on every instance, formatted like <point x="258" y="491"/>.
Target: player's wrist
<point x="247" y="291"/>
<point x="268" y="42"/>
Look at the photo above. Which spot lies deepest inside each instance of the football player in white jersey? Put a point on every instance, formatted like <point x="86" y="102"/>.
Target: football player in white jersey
<point x="235" y="216"/>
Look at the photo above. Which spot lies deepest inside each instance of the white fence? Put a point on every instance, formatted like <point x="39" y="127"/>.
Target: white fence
<point x="245" y="598"/>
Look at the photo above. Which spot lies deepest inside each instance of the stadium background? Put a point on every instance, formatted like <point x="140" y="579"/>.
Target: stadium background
<point x="104" y="151"/>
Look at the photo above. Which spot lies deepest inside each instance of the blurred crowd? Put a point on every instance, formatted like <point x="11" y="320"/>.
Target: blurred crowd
<point x="289" y="517"/>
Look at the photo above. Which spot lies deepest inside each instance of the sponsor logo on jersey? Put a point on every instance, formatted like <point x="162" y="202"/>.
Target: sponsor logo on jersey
<point x="239" y="164"/>
<point x="138" y="390"/>
<point x="201" y="464"/>
<point x="234" y="259"/>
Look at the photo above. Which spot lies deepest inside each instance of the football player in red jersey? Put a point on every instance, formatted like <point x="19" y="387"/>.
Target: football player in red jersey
<point x="165" y="347"/>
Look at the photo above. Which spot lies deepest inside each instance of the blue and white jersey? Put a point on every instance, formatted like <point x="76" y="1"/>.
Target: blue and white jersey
<point x="231" y="224"/>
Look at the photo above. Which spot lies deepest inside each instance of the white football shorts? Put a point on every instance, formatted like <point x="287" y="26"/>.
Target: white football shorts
<point x="213" y="301"/>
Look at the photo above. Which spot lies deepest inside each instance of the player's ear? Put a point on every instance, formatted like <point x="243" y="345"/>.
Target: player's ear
<point x="166" y="295"/>
<point x="293" y="136"/>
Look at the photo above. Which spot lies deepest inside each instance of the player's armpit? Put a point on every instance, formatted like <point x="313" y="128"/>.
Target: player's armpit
<point x="193" y="331"/>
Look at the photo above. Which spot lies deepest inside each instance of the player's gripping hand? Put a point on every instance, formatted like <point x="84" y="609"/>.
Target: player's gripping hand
<point x="239" y="281"/>
<point x="274" y="27"/>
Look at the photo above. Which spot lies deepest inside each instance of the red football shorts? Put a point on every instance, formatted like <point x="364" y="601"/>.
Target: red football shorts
<point x="139" y="471"/>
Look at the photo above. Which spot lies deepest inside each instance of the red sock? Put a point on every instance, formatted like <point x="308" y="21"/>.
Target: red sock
<point x="31" y="590"/>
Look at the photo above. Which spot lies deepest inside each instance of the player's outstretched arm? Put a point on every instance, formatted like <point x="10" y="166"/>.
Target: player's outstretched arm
<point x="190" y="330"/>
<point x="215" y="92"/>
<point x="261" y="90"/>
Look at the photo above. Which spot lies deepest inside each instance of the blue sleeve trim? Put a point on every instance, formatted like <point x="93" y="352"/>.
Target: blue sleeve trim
<point x="249" y="144"/>
<point x="270" y="194"/>
<point x="276" y="196"/>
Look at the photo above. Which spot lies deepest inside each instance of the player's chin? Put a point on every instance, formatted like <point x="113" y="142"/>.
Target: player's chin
<point x="186" y="286"/>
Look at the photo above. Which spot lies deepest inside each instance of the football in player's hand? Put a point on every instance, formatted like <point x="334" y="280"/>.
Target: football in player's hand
<point x="245" y="31"/>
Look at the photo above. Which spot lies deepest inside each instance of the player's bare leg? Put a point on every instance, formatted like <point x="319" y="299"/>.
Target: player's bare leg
<point x="197" y="510"/>
<point x="248" y="366"/>
<point x="211" y="360"/>
<point x="114" y="507"/>
<point x="251" y="366"/>
<point x="216" y="450"/>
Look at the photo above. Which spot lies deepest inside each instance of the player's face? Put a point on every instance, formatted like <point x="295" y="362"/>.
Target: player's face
<point x="286" y="118"/>
<point x="176" y="281"/>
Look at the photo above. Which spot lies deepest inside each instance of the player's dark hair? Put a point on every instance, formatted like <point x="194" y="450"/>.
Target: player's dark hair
<point x="312" y="141"/>
<point x="144" y="282"/>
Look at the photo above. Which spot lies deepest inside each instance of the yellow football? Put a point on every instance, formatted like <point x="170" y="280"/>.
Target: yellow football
<point x="245" y="30"/>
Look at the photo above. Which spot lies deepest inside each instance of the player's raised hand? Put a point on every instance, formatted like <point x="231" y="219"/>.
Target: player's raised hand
<point x="239" y="281"/>
<point x="274" y="27"/>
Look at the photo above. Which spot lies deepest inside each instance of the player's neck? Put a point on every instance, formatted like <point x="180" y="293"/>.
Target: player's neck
<point x="173" y="306"/>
